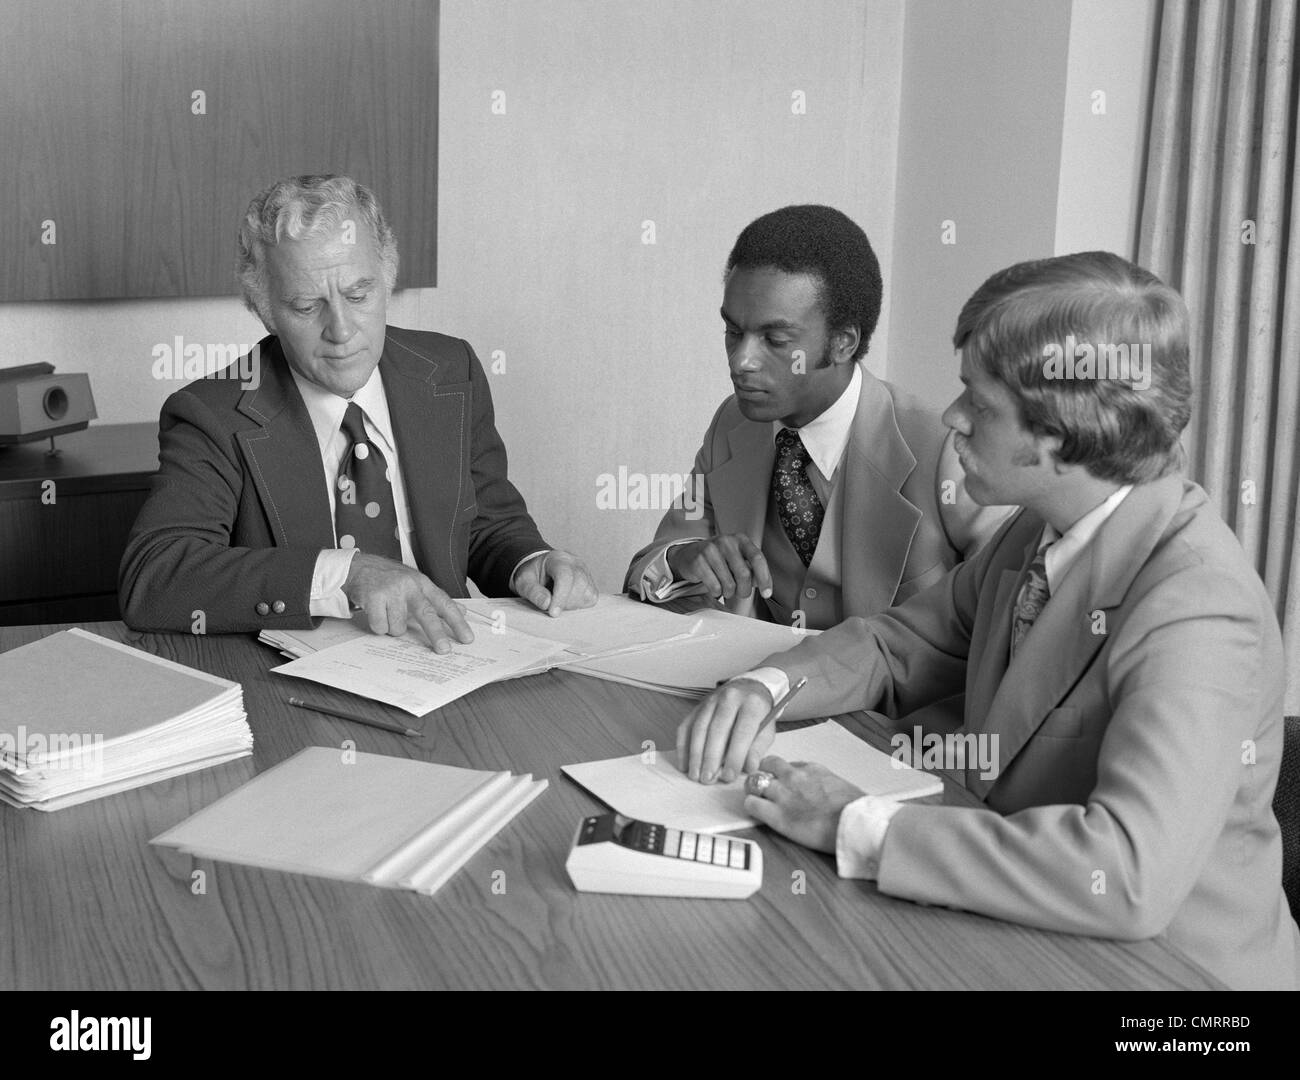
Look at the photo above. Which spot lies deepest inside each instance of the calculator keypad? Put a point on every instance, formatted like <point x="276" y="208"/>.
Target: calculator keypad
<point x="674" y="843"/>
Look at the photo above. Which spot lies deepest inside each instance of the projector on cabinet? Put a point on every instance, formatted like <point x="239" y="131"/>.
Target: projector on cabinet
<point x="35" y="403"/>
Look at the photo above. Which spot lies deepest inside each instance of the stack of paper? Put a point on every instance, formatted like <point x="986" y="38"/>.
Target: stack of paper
<point x="724" y="645"/>
<point x="650" y="787"/>
<point x="615" y="624"/>
<point x="392" y="822"/>
<point x="82" y="716"/>
<point x="511" y="638"/>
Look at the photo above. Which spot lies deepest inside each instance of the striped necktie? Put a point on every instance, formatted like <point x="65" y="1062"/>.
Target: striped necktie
<point x="365" y="516"/>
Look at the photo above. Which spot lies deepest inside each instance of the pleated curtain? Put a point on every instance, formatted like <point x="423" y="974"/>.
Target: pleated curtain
<point x="1220" y="221"/>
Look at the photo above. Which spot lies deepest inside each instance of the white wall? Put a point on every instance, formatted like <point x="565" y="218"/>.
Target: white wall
<point x="1112" y="53"/>
<point x="980" y="147"/>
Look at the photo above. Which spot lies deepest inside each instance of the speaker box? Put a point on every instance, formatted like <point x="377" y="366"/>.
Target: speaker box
<point x="35" y="403"/>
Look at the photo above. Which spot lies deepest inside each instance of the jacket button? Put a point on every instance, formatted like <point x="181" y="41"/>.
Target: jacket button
<point x="278" y="607"/>
<point x="263" y="608"/>
<point x="810" y="593"/>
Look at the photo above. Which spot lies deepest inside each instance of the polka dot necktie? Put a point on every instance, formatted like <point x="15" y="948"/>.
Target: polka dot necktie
<point x="365" y="516"/>
<point x="800" y="510"/>
<point x="1031" y="600"/>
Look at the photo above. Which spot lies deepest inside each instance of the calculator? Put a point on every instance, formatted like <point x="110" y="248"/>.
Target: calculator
<point x="616" y="854"/>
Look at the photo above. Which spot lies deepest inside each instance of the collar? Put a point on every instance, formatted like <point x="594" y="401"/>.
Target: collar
<point x="826" y="436"/>
<point x="1065" y="548"/>
<point x="326" y="409"/>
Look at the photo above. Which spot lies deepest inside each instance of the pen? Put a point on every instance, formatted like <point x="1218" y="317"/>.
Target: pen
<point x="779" y="707"/>
<point x="387" y="725"/>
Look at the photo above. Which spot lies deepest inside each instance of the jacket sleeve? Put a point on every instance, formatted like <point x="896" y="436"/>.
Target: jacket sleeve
<point x="501" y="531"/>
<point x="179" y="571"/>
<point x="1185" y="677"/>
<point x="896" y="662"/>
<point x="689" y="518"/>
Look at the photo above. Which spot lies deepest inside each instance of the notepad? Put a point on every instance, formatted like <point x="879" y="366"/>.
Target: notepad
<point x="82" y="717"/>
<point x="392" y="822"/>
<point x="650" y="787"/>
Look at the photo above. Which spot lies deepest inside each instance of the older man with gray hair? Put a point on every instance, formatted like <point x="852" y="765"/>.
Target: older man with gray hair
<point x="361" y="470"/>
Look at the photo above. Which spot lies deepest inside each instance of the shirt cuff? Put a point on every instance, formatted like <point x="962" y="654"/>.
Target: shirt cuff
<point x="861" y="836"/>
<point x="520" y="565"/>
<point x="327" y="598"/>
<point x="776" y="680"/>
<point x="657" y="584"/>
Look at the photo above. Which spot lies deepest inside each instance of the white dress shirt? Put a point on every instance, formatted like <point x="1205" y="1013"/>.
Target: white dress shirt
<point x="326" y="410"/>
<point x="864" y="822"/>
<point x="825" y="438"/>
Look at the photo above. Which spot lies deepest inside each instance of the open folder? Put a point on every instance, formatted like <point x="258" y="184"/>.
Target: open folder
<point x="392" y="822"/>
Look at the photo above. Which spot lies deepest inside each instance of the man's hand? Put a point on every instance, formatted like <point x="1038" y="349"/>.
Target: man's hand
<point x="717" y="740"/>
<point x="803" y="802"/>
<point x="555" y="582"/>
<point x="392" y="595"/>
<point x="725" y="565"/>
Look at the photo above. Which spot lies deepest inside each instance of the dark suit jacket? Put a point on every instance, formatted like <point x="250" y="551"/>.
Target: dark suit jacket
<point x="239" y="510"/>
<point x="1139" y="734"/>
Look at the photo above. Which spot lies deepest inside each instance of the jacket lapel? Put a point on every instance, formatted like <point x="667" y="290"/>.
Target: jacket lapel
<point x="431" y="425"/>
<point x="879" y="522"/>
<point x="739" y="487"/>
<point x="282" y="454"/>
<point x="1070" y="631"/>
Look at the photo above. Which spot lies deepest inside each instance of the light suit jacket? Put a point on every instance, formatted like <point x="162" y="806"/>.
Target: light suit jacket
<point x="1139" y="736"/>
<point x="900" y="530"/>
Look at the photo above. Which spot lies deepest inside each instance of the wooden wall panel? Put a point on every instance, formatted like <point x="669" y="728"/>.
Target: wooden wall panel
<point x="150" y="185"/>
<point x="60" y="157"/>
<point x="291" y="87"/>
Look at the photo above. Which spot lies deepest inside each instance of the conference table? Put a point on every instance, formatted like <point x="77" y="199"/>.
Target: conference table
<point x="87" y="903"/>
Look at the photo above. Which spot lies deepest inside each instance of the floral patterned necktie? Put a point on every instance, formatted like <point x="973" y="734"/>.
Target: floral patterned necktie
<point x="800" y="511"/>
<point x="365" y="516"/>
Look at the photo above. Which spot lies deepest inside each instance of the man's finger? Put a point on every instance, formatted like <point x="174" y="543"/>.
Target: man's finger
<point x="718" y="564"/>
<point x="395" y="614"/>
<point x="757" y="565"/>
<point x="777" y="766"/>
<point x="700" y="722"/>
<point x="764" y="811"/>
<point x="538" y="595"/>
<point x="590" y="593"/>
<point x="433" y="627"/>
<point x="448" y="610"/>
<point x="738" y="566"/>
<point x="561" y="587"/>
<point x="721" y="727"/>
<point x="753" y="711"/>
